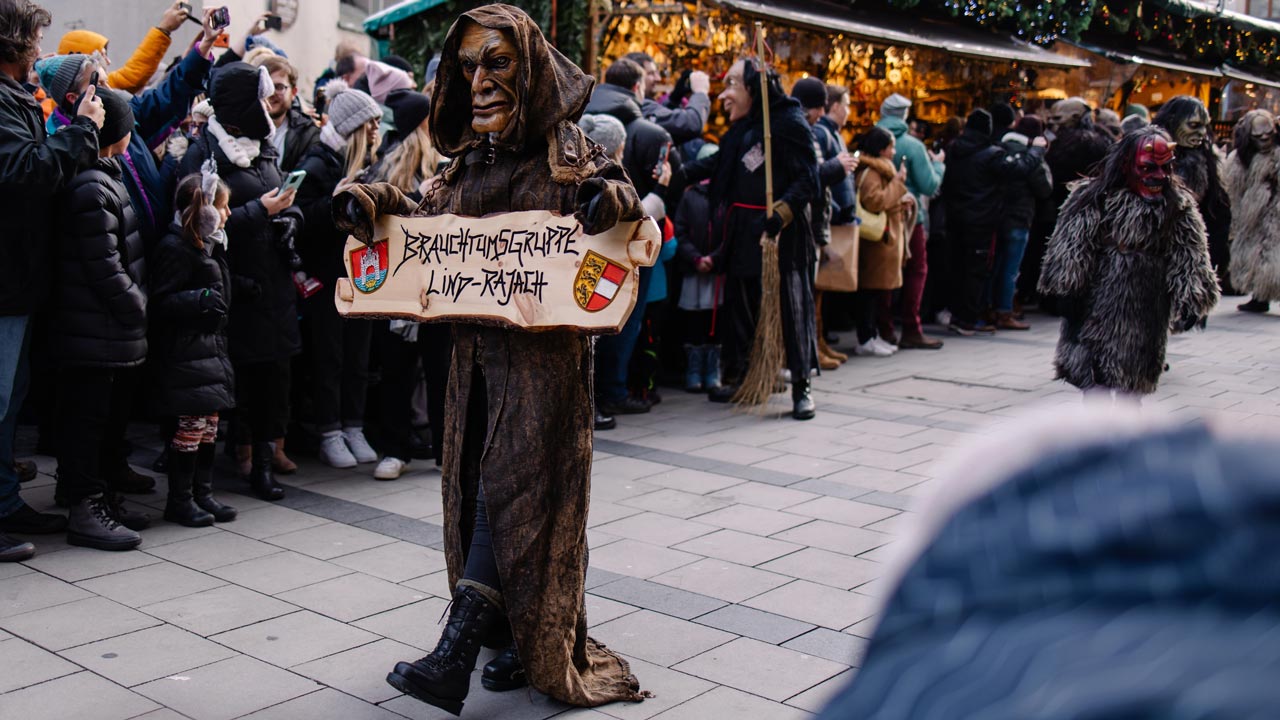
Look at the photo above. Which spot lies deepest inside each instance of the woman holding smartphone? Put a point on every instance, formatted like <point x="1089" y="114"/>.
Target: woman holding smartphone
<point x="339" y="348"/>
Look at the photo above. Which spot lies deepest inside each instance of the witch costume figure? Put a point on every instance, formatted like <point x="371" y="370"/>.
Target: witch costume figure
<point x="1253" y="171"/>
<point x="517" y="442"/>
<point x="1198" y="165"/>
<point x="1127" y="264"/>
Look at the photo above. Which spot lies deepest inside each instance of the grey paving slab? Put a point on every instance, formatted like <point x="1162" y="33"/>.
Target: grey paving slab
<point x="698" y="482"/>
<point x="76" y="623"/>
<point x="830" y="645"/>
<point x="725" y="703"/>
<point x="826" y="567"/>
<point x="203" y="694"/>
<point x="76" y="563"/>
<point x="722" y="579"/>
<point x="295" y="639"/>
<point x="361" y="671"/>
<point x="23" y="664"/>
<point x="597" y="577"/>
<point x="657" y="638"/>
<point x="214" y="550"/>
<point x="638" y="559"/>
<point x="412" y="502"/>
<point x="326" y="704"/>
<point x="758" y="624"/>
<point x="325" y="542"/>
<point x="34" y="591"/>
<point x="419" y="624"/>
<point x="602" y="610"/>
<point x="395" y="562"/>
<point x="754" y="520"/>
<point x="147" y="654"/>
<point x="519" y="705"/>
<point x="418" y="532"/>
<point x="656" y="529"/>
<point x="763" y="495"/>
<point x="163" y="532"/>
<point x="742" y="548"/>
<point x="834" y="537"/>
<point x="817" y="604"/>
<point x="760" y="668"/>
<point x="844" y="512"/>
<point x="218" y="610"/>
<point x="352" y="597"/>
<point x="82" y="695"/>
<point x="675" y="503"/>
<point x="281" y="572"/>
<point x="151" y="584"/>
<point x="265" y="522"/>
<point x="816" y="698"/>
<point x="8" y="570"/>
<point x="669" y="687"/>
<point x="662" y="598"/>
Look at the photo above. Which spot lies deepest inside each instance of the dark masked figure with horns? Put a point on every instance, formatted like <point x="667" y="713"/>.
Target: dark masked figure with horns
<point x="517" y="442"/>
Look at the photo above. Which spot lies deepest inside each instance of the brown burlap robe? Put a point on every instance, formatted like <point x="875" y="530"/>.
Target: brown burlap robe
<point x="532" y="447"/>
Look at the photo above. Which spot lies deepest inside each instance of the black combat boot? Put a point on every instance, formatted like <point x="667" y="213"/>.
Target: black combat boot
<point x="802" y="405"/>
<point x="443" y="678"/>
<point x="202" y="485"/>
<point x="504" y="672"/>
<point x="261" y="477"/>
<point x="180" y="508"/>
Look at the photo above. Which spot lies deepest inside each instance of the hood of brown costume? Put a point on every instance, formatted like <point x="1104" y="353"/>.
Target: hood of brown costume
<point x="551" y="87"/>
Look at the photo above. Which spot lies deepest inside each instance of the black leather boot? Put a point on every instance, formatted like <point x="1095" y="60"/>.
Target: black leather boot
<point x="180" y="508"/>
<point x="504" y="672"/>
<point x="261" y="477"/>
<point x="802" y="405"/>
<point x="202" y="485"/>
<point x="443" y="678"/>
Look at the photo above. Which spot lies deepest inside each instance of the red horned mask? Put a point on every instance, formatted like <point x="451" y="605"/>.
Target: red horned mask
<point x="1148" y="174"/>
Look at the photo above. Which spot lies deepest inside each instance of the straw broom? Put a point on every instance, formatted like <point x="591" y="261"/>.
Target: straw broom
<point x="767" y="353"/>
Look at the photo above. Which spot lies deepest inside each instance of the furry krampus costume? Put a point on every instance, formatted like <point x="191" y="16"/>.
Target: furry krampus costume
<point x="1128" y="262"/>
<point x="1199" y="165"/>
<point x="1253" y="170"/>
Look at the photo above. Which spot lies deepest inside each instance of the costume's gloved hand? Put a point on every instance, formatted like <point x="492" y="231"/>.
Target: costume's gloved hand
<point x="1189" y="321"/>
<point x="590" y="193"/>
<point x="780" y="218"/>
<point x="286" y="228"/>
<point x="351" y="214"/>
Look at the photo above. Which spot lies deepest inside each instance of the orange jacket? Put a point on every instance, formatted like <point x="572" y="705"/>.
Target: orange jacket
<point x="133" y="75"/>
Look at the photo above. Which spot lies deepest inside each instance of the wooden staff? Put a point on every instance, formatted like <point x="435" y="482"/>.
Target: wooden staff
<point x="768" y="355"/>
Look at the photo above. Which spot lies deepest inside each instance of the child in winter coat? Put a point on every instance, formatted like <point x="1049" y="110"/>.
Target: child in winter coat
<point x="701" y="289"/>
<point x="193" y="376"/>
<point x="97" y="332"/>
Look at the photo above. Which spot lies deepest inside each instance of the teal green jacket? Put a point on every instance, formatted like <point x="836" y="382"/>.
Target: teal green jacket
<point x="924" y="176"/>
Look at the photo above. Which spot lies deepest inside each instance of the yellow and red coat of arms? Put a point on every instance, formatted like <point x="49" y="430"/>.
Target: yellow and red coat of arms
<point x="598" y="282"/>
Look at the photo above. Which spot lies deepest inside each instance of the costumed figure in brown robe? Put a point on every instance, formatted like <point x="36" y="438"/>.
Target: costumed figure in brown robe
<point x="1127" y="264"/>
<point x="1253" y="172"/>
<point x="1198" y="164"/>
<point x="517" y="442"/>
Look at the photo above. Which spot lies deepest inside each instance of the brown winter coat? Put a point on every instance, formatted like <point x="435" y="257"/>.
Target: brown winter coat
<point x="881" y="190"/>
<point x="519" y="404"/>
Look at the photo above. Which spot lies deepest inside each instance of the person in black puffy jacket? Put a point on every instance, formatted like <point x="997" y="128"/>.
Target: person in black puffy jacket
<point x="262" y="328"/>
<point x="98" y="331"/>
<point x="339" y="348"/>
<point x="193" y="380"/>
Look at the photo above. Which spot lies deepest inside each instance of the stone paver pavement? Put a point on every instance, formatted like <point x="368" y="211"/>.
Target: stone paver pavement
<point x="735" y="559"/>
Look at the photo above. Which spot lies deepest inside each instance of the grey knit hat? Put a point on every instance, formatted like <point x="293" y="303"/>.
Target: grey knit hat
<point x="348" y="109"/>
<point x="606" y="130"/>
<point x="895" y="106"/>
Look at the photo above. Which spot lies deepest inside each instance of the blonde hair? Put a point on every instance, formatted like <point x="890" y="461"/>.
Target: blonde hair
<point x="413" y="160"/>
<point x="359" y="153"/>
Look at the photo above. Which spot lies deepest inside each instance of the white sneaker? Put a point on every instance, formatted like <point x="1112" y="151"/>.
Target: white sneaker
<point x="871" y="348"/>
<point x="390" y="468"/>
<point x="334" y="451"/>
<point x="943" y="317"/>
<point x="885" y="344"/>
<point x="360" y="448"/>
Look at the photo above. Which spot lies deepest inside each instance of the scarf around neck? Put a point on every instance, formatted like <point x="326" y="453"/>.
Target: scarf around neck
<point x="241" y="151"/>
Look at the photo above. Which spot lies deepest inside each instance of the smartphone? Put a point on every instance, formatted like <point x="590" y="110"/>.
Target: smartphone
<point x="857" y="154"/>
<point x="94" y="78"/>
<point x="273" y="22"/>
<point x="662" y="158"/>
<point x="293" y="181"/>
<point x="220" y="18"/>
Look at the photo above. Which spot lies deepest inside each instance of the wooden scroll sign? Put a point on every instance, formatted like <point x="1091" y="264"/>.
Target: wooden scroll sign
<point x="527" y="270"/>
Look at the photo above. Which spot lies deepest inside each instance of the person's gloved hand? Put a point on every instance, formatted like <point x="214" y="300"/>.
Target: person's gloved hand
<point x="778" y="219"/>
<point x="1189" y="321"/>
<point x="177" y="145"/>
<point x="351" y="216"/>
<point x="211" y="303"/>
<point x="286" y="229"/>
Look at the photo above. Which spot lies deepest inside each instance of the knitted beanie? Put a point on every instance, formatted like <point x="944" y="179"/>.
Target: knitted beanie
<point x="1001" y="117"/>
<point x="895" y="106"/>
<point x="1029" y="125"/>
<point x="383" y="79"/>
<point x="236" y="91"/>
<point x="58" y="75"/>
<point x="348" y="109"/>
<point x="119" y="117"/>
<point x="811" y="92"/>
<point x="606" y="130"/>
<point x="409" y="109"/>
<point x="979" y="120"/>
<point x="85" y="42"/>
